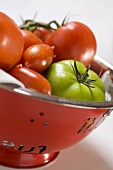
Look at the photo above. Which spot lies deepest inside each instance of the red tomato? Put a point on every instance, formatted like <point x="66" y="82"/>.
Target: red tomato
<point x="30" y="39"/>
<point x="42" y="33"/>
<point x="31" y="79"/>
<point x="73" y="40"/>
<point x="38" y="57"/>
<point x="11" y="43"/>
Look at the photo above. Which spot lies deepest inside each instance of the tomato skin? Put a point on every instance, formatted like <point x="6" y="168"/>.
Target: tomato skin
<point x="11" y="43"/>
<point x="42" y="33"/>
<point x="73" y="40"/>
<point x="30" y="39"/>
<point x="64" y="83"/>
<point x="31" y="79"/>
<point x="38" y="57"/>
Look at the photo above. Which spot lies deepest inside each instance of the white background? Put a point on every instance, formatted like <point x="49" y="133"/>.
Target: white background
<point x="96" y="151"/>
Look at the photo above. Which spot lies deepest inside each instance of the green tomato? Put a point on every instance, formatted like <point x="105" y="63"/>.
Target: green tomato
<point x="71" y="79"/>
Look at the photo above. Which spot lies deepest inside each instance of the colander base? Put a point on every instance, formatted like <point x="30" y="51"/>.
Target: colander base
<point x="17" y="159"/>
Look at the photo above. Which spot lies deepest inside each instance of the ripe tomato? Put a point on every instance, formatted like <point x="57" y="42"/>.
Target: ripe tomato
<point x="38" y="57"/>
<point x="73" y="40"/>
<point x="30" y="39"/>
<point x="42" y="33"/>
<point x="72" y="80"/>
<point x="11" y="43"/>
<point x="31" y="79"/>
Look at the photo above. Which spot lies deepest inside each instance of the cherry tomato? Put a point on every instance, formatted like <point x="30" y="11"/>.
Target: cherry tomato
<point x="30" y="39"/>
<point x="11" y="43"/>
<point x="73" y="40"/>
<point x="73" y="80"/>
<point x="42" y="33"/>
<point x="38" y="57"/>
<point x="31" y="79"/>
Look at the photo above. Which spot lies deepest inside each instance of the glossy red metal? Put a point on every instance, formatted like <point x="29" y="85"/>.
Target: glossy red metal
<point x="30" y="125"/>
<point x="34" y="130"/>
<point x="16" y="159"/>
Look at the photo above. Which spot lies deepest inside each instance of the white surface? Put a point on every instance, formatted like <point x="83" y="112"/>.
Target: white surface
<point x="7" y="78"/>
<point x="96" y="151"/>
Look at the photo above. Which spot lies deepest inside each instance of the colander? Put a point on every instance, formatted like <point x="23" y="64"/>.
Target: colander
<point x="35" y="127"/>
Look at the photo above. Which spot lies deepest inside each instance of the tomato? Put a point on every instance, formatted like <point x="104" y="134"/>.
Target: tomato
<point x="73" y="80"/>
<point x="73" y="40"/>
<point x="30" y="39"/>
<point x="38" y="57"/>
<point x="31" y="79"/>
<point x="11" y="43"/>
<point x="42" y="33"/>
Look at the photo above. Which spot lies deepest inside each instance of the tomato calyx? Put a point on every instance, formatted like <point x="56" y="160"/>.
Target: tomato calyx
<point x="32" y="25"/>
<point x="83" y="78"/>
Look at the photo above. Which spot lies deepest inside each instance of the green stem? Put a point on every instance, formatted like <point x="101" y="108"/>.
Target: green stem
<point x="82" y="78"/>
<point x="32" y="25"/>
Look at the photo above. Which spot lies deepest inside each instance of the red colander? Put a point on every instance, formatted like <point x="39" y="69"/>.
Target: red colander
<point x="35" y="127"/>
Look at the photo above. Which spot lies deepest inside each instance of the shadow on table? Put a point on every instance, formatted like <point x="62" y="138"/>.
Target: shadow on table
<point x="82" y="156"/>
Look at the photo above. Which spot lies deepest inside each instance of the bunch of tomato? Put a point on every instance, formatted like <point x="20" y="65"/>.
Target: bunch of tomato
<point x="32" y="52"/>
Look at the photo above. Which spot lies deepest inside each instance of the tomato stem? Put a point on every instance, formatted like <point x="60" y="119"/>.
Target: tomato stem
<point x="53" y="47"/>
<point x="64" y="20"/>
<point x="32" y="25"/>
<point x="83" y="78"/>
